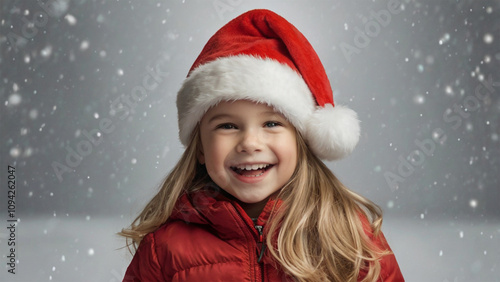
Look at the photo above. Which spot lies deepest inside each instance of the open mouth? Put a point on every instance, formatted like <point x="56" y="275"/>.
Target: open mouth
<point x="254" y="170"/>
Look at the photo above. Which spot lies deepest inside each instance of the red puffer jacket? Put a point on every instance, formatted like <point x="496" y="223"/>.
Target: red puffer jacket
<point x="210" y="238"/>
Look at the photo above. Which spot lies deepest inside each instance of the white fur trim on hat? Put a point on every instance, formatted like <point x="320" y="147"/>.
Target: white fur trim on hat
<point x="331" y="132"/>
<point x="243" y="77"/>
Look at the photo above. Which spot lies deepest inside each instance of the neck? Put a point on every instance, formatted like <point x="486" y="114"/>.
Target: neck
<point x="253" y="210"/>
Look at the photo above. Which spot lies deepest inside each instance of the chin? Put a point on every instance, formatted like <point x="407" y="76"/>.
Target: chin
<point x="250" y="199"/>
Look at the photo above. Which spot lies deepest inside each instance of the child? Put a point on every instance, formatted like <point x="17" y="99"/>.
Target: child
<point x="250" y="199"/>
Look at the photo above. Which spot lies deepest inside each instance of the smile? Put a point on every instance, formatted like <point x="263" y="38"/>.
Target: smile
<point x="251" y="170"/>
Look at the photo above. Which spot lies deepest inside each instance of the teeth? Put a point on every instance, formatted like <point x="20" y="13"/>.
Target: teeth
<point x="252" y="167"/>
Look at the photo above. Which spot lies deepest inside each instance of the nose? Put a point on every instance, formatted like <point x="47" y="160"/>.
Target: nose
<point x="250" y="142"/>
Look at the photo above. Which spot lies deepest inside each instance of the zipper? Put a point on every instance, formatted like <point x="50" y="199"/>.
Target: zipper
<point x="262" y="250"/>
<point x="260" y="240"/>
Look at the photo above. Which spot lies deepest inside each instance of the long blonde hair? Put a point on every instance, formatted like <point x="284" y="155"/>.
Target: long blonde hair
<point x="319" y="234"/>
<point x="187" y="175"/>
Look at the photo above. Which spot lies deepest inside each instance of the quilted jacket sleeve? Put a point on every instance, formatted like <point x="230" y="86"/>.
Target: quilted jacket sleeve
<point x="144" y="265"/>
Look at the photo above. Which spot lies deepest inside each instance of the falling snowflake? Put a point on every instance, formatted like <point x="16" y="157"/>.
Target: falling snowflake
<point x="473" y="203"/>
<point x="488" y="38"/>
<point x="46" y="52"/>
<point x="419" y="99"/>
<point x="14" y="99"/>
<point x="84" y="45"/>
<point x="445" y="38"/>
<point x="70" y="19"/>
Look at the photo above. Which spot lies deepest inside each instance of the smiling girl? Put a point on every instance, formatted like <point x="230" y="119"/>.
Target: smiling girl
<point x="250" y="198"/>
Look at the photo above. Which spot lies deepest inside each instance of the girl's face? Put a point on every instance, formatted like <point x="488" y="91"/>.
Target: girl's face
<point x="249" y="150"/>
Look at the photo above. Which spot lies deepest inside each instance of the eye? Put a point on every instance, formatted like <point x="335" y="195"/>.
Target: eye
<point x="226" y="126"/>
<point x="272" y="124"/>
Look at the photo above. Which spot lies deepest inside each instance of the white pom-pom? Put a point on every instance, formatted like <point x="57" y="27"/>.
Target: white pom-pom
<point x="333" y="132"/>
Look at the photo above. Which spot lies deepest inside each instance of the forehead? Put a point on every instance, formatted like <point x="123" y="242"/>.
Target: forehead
<point x="240" y="107"/>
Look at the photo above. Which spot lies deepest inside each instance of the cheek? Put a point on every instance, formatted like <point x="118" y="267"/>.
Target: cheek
<point x="215" y="157"/>
<point x="217" y="152"/>
<point x="218" y="175"/>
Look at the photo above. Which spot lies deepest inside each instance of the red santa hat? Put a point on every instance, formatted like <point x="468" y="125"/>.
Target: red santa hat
<point x="261" y="57"/>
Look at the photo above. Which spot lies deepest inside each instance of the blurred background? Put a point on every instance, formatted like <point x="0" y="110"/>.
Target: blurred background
<point x="88" y="121"/>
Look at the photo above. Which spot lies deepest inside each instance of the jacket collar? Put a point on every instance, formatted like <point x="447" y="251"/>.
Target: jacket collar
<point x="212" y="206"/>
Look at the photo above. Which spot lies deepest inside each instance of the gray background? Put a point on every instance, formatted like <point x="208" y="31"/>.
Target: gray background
<point x="413" y="82"/>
